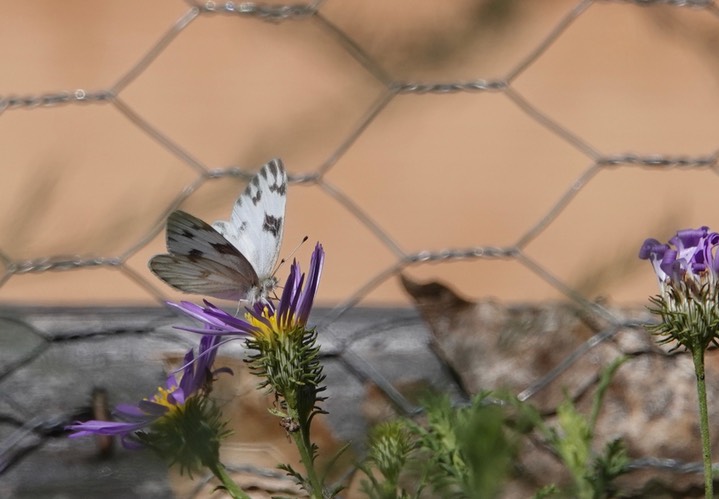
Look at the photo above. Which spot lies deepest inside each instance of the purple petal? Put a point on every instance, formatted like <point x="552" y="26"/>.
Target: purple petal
<point x="178" y="396"/>
<point x="94" y="427"/>
<point x="292" y="306"/>
<point x="291" y="290"/>
<point x="207" y="352"/>
<point x="196" y="312"/>
<point x="711" y="253"/>
<point x="217" y="320"/>
<point x="186" y="378"/>
<point x="230" y="324"/>
<point x="656" y="252"/>
<point x="669" y="263"/>
<point x="652" y="247"/>
<point x="687" y="239"/>
<point x="152" y="408"/>
<point x="171" y="382"/>
<point x="691" y="245"/>
<point x="308" y="296"/>
<point x="130" y="410"/>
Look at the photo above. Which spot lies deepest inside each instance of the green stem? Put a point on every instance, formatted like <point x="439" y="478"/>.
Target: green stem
<point x="698" y="357"/>
<point x="304" y="445"/>
<point x="230" y="486"/>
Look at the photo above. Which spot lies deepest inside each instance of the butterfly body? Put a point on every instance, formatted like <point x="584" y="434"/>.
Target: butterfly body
<point x="230" y="259"/>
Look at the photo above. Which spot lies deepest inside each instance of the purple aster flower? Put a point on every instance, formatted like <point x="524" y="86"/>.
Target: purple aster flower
<point x="264" y="319"/>
<point x="195" y="378"/>
<point x="688" y="271"/>
<point x="691" y="256"/>
<point x="286" y="351"/>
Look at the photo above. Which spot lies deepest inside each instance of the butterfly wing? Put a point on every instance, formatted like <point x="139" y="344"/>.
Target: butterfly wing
<point x="258" y="218"/>
<point x="202" y="261"/>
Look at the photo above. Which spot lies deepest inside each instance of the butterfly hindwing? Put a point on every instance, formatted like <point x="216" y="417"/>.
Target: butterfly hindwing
<point x="203" y="277"/>
<point x="202" y="261"/>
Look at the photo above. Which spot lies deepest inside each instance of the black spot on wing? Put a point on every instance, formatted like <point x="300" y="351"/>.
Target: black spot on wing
<point x="272" y="224"/>
<point x="195" y="255"/>
<point x="274" y="174"/>
<point x="280" y="184"/>
<point x="186" y="233"/>
<point x="224" y="248"/>
<point x="280" y="188"/>
<point x="257" y="196"/>
<point x="277" y="170"/>
<point x="273" y="167"/>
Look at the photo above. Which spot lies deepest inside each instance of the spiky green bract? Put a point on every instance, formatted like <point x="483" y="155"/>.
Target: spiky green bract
<point x="189" y="436"/>
<point x="389" y="448"/>
<point x="689" y="315"/>
<point x="289" y="365"/>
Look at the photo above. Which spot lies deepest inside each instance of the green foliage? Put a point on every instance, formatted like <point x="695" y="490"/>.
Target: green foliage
<point x="547" y="491"/>
<point x="573" y="445"/>
<point x="457" y="452"/>
<point x="592" y="475"/>
<point x="689" y="315"/>
<point x="606" y="467"/>
<point x="390" y="444"/>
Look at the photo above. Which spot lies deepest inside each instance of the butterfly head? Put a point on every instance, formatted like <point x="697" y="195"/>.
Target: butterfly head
<point x="263" y="290"/>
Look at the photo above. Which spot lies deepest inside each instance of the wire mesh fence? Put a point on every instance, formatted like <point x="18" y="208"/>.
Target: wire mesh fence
<point x="391" y="155"/>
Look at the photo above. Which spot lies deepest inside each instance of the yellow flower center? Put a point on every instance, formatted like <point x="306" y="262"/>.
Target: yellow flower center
<point x="162" y="397"/>
<point x="268" y="330"/>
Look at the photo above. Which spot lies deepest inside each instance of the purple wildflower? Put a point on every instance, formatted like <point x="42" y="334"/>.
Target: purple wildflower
<point x="286" y="351"/>
<point x="195" y="377"/>
<point x="688" y="272"/>
<point x="691" y="255"/>
<point x="264" y="319"/>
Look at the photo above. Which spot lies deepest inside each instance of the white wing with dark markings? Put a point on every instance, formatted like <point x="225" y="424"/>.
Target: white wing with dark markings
<point x="232" y="259"/>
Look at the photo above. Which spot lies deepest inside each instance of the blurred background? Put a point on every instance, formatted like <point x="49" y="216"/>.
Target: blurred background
<point x="381" y="175"/>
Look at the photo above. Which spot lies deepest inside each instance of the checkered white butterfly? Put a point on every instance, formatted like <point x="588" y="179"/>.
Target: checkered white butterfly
<point x="230" y="259"/>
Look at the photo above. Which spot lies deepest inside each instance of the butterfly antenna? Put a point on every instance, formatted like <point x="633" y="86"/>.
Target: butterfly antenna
<point x="284" y="260"/>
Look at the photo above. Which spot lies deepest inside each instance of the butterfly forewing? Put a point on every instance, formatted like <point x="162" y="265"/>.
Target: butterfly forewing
<point x="258" y="218"/>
